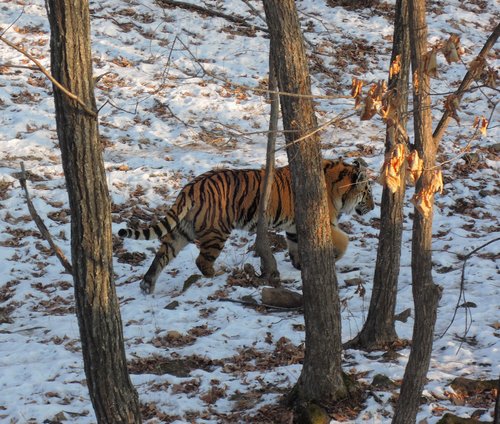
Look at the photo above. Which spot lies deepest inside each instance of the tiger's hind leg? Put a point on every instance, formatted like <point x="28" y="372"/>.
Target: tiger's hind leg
<point x="211" y="245"/>
<point x="171" y="245"/>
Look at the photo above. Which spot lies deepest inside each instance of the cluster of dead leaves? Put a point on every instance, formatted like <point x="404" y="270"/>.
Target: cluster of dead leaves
<point x="451" y="49"/>
<point x="399" y="160"/>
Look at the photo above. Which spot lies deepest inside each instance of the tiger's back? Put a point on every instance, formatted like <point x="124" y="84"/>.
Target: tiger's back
<point x="214" y="203"/>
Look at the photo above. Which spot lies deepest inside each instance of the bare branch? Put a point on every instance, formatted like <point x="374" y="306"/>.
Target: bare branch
<point x="210" y="12"/>
<point x="9" y="65"/>
<point x="462" y="285"/>
<point x="42" y="69"/>
<point x="466" y="82"/>
<point x="41" y="226"/>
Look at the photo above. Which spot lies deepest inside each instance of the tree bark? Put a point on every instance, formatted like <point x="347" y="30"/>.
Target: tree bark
<point x="425" y="293"/>
<point x="378" y="331"/>
<point x="321" y="379"/>
<point x="269" y="268"/>
<point x="111" y="392"/>
<point x="496" y="419"/>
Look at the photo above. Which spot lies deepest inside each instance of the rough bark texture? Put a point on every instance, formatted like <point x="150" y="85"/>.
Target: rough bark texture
<point x="425" y="293"/>
<point x="321" y="379"/>
<point x="112" y="394"/>
<point x="379" y="330"/>
<point x="269" y="268"/>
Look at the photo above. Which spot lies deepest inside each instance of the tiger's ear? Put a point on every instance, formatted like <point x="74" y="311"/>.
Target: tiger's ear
<point x="360" y="163"/>
<point x="361" y="176"/>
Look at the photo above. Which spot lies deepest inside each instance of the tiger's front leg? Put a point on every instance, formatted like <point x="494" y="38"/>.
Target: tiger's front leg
<point x="340" y="241"/>
<point x="171" y="245"/>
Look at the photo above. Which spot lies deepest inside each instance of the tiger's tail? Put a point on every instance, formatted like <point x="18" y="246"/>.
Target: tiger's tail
<point x="167" y="224"/>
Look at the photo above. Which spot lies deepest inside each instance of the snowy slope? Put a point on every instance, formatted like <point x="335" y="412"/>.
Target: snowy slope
<point x="168" y="113"/>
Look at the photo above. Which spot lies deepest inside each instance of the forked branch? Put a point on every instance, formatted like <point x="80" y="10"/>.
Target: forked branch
<point x="41" y="226"/>
<point x="470" y="76"/>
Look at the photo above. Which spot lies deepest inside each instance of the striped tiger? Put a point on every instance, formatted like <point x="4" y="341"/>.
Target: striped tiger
<point x="209" y="207"/>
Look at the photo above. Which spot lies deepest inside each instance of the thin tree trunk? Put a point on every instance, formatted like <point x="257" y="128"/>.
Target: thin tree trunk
<point x="321" y="379"/>
<point x="379" y="330"/>
<point x="425" y="293"/>
<point x="496" y="419"/>
<point x="111" y="392"/>
<point x="269" y="268"/>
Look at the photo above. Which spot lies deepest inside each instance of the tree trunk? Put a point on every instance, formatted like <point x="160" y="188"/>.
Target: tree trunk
<point x="496" y="419"/>
<point x="111" y="392"/>
<point x="269" y="267"/>
<point x="425" y="293"/>
<point x="321" y="379"/>
<point x="379" y="330"/>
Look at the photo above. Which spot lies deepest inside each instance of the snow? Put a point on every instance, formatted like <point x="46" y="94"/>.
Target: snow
<point x="166" y="71"/>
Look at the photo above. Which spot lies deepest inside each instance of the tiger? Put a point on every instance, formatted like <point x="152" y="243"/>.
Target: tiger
<point x="210" y="206"/>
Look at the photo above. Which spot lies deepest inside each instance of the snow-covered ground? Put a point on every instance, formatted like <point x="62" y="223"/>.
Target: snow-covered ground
<point x="169" y="112"/>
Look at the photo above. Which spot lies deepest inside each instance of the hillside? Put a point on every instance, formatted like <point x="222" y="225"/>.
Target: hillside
<point x="176" y="98"/>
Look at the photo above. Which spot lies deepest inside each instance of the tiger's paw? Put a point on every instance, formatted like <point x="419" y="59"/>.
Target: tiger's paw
<point x="147" y="287"/>
<point x="206" y="267"/>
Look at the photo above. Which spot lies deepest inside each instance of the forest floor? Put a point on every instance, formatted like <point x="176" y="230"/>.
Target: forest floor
<point x="176" y="101"/>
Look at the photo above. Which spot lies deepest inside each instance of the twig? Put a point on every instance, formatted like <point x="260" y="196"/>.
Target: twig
<point x="462" y="287"/>
<point x="338" y="118"/>
<point x="41" y="226"/>
<point x="258" y="305"/>
<point x="466" y="82"/>
<point x="8" y="65"/>
<point x="254" y="89"/>
<point x="210" y="12"/>
<point x="42" y="69"/>
<point x="13" y="23"/>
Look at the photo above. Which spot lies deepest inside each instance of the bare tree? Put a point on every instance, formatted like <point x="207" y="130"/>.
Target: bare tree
<point x="321" y="380"/>
<point x="378" y="330"/>
<point x="112" y="394"/>
<point x="426" y="294"/>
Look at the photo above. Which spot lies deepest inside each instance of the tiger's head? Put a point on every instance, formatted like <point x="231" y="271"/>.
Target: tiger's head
<point x="350" y="187"/>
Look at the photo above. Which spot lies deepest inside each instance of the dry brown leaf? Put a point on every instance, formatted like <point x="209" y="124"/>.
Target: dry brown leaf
<point x="416" y="82"/>
<point x="430" y="66"/>
<point x="436" y="184"/>
<point x="424" y="199"/>
<point x="491" y="77"/>
<point x="495" y="325"/>
<point x="356" y="91"/>
<point x="451" y="105"/>
<point x="390" y="105"/>
<point x="373" y="100"/>
<point x="451" y="49"/>
<point x="391" y="171"/>
<point x="415" y="167"/>
<point x="481" y="124"/>
<point x="395" y="66"/>
<point x="369" y="109"/>
<point x="477" y="66"/>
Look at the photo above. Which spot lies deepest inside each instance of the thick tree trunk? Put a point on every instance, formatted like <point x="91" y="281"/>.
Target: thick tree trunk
<point x="321" y="379"/>
<point x="112" y="394"/>
<point x="425" y="293"/>
<point x="379" y="330"/>
<point x="269" y="268"/>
